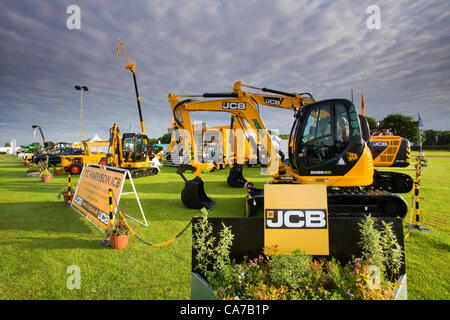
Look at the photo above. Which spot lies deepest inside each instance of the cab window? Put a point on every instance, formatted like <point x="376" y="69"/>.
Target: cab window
<point x="342" y="127"/>
<point x="317" y="138"/>
<point x="97" y="149"/>
<point x="128" y="149"/>
<point x="141" y="149"/>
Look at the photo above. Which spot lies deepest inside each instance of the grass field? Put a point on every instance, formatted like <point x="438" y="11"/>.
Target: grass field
<point x="40" y="237"/>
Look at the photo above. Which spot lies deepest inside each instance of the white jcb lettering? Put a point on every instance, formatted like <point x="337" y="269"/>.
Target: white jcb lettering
<point x="296" y="219"/>
<point x="278" y="223"/>
<point x="287" y="219"/>
<point x="234" y="105"/>
<point x="316" y="219"/>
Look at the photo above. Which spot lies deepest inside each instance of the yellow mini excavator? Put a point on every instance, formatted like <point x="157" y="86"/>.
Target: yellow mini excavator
<point x="129" y="151"/>
<point x="326" y="146"/>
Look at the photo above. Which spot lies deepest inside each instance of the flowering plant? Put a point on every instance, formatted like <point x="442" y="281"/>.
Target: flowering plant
<point x="45" y="173"/>
<point x="117" y="229"/>
<point x="62" y="192"/>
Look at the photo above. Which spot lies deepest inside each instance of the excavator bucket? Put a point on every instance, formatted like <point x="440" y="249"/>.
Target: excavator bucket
<point x="193" y="194"/>
<point x="235" y="177"/>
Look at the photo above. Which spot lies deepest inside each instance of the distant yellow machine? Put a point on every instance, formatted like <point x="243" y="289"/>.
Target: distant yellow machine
<point x="93" y="152"/>
<point x="391" y="151"/>
<point x="388" y="150"/>
<point x="229" y="143"/>
<point x="129" y="151"/>
<point x="217" y="146"/>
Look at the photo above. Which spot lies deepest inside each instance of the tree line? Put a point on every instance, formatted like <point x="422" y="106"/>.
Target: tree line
<point x="407" y="127"/>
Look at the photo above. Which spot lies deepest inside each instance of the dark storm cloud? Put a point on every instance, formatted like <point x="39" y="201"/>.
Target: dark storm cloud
<point x="189" y="47"/>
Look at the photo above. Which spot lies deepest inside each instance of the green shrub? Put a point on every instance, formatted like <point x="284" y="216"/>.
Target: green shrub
<point x="289" y="269"/>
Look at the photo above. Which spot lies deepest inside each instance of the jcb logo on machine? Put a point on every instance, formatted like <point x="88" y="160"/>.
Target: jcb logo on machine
<point x="273" y="101"/>
<point x="234" y="105"/>
<point x="296" y="219"/>
<point x="380" y="144"/>
<point x="352" y="156"/>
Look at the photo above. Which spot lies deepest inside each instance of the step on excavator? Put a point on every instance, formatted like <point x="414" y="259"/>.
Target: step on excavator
<point x="326" y="146"/>
<point x="130" y="150"/>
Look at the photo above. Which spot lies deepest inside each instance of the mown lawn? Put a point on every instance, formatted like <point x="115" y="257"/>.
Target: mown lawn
<point x="41" y="238"/>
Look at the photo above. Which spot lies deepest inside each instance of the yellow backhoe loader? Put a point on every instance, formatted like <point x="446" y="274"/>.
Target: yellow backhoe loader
<point x="91" y="152"/>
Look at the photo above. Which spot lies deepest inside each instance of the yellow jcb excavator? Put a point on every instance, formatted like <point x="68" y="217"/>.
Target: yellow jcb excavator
<point x="326" y="146"/>
<point x="130" y="150"/>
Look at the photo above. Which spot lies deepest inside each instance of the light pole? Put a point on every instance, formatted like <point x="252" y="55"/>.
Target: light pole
<point x="81" y="89"/>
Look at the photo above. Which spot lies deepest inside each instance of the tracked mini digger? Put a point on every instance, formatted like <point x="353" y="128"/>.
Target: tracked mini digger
<point x="129" y="151"/>
<point x="326" y="146"/>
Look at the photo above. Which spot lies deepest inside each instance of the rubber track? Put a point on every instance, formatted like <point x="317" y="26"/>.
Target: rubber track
<point x="357" y="201"/>
<point x="394" y="182"/>
<point x="347" y="202"/>
<point x="138" y="173"/>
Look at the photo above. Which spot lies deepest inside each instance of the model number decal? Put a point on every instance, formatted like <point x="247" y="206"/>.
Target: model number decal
<point x="321" y="172"/>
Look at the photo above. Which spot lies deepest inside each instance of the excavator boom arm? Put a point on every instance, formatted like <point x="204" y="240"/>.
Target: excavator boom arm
<point x="130" y="65"/>
<point x="241" y="104"/>
<point x="241" y="108"/>
<point x="40" y="130"/>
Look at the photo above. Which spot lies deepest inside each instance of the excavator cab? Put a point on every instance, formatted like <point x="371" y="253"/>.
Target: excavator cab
<point x="326" y="146"/>
<point x="134" y="147"/>
<point x="326" y="139"/>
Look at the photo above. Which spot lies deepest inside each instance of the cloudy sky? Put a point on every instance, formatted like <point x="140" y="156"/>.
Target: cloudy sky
<point x="195" y="46"/>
